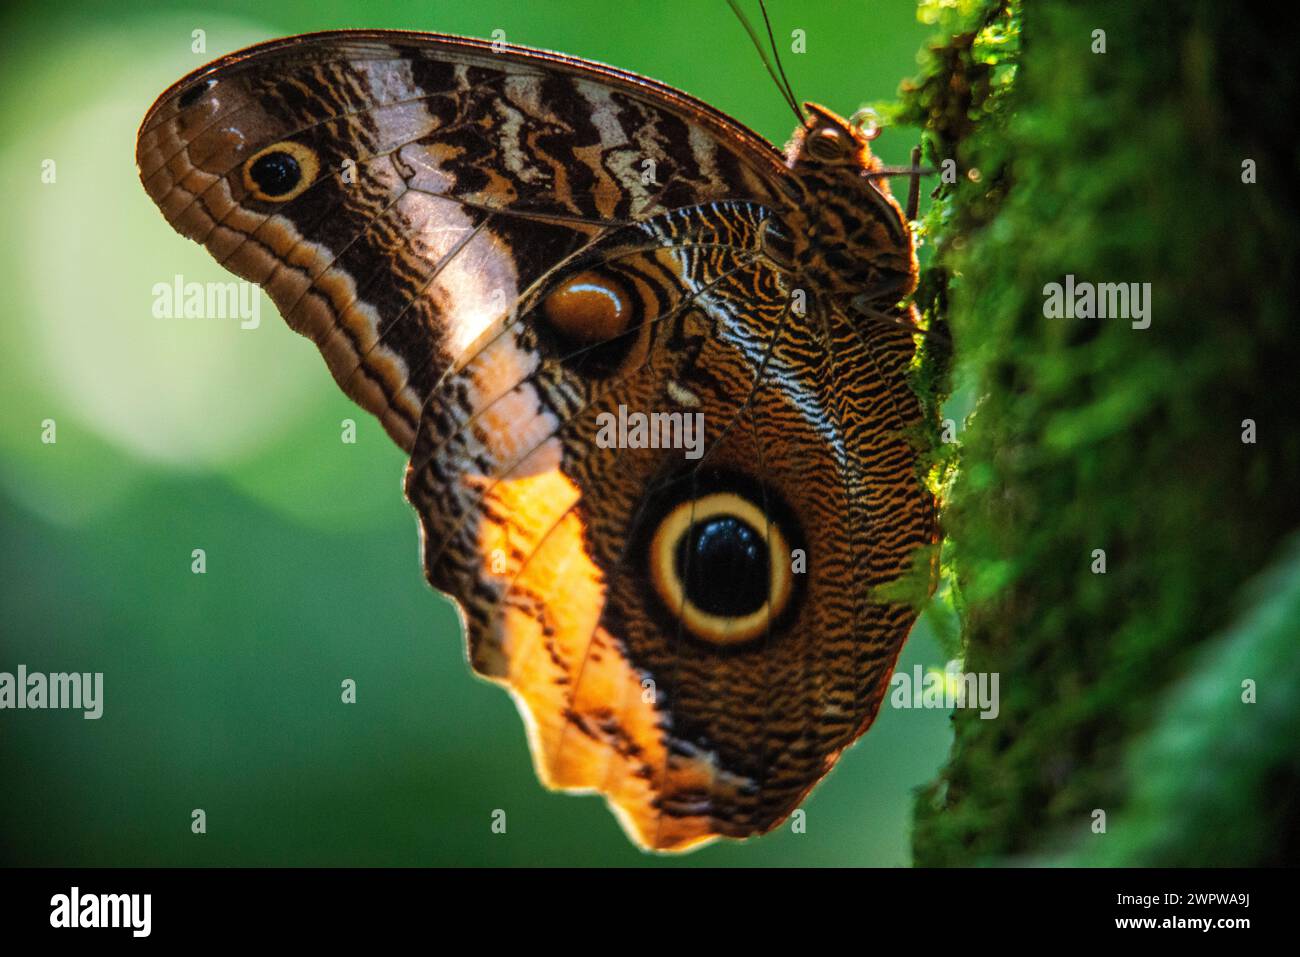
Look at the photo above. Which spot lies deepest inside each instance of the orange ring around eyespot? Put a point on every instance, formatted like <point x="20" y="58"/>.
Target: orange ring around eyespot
<point x="308" y="166"/>
<point x="719" y="629"/>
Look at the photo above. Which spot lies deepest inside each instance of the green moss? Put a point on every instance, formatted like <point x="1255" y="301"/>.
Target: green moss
<point x="1123" y="166"/>
<point x="1214" y="781"/>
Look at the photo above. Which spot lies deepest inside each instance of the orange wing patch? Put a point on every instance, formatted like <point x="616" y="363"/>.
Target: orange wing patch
<point x="550" y="646"/>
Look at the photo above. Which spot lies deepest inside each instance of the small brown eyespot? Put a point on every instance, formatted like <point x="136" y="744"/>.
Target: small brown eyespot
<point x="590" y="307"/>
<point x="591" y="322"/>
<point x="280" y="172"/>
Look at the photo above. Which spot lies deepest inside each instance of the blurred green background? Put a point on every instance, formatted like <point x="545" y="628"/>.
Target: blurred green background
<point x="222" y="690"/>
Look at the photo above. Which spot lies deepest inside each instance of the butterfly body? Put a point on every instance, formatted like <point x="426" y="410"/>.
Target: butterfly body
<point x="497" y="250"/>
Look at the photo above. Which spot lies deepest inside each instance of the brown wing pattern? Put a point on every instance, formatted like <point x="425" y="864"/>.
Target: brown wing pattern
<point x="444" y="173"/>
<point x="475" y="241"/>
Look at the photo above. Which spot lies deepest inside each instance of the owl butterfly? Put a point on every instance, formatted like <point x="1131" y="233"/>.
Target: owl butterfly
<point x="501" y="251"/>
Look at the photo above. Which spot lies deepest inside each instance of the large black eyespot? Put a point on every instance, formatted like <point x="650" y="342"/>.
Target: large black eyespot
<point x="721" y="566"/>
<point x="280" y="172"/>
<point x="724" y="564"/>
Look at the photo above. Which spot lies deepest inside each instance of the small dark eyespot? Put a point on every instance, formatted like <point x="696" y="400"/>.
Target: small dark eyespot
<point x="191" y="96"/>
<point x="280" y="172"/>
<point x="275" y="173"/>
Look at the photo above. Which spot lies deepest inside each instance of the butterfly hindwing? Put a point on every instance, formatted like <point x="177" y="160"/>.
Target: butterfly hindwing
<point x="504" y="255"/>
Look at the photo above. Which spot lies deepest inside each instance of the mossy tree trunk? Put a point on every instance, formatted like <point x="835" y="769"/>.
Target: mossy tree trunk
<point x="1169" y="159"/>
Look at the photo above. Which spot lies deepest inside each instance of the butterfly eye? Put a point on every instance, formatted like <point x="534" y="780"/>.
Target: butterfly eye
<point x="828" y="143"/>
<point x="280" y="172"/>
<point x="722" y="567"/>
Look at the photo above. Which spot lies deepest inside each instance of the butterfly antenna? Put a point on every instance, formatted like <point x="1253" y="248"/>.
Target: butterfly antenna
<point x="762" y="54"/>
<point x="776" y="55"/>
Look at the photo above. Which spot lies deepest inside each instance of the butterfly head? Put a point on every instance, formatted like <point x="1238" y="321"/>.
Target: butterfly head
<point x="827" y="140"/>
<point x="849" y="235"/>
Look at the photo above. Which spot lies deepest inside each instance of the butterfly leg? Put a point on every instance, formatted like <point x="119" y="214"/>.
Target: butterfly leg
<point x="914" y="186"/>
